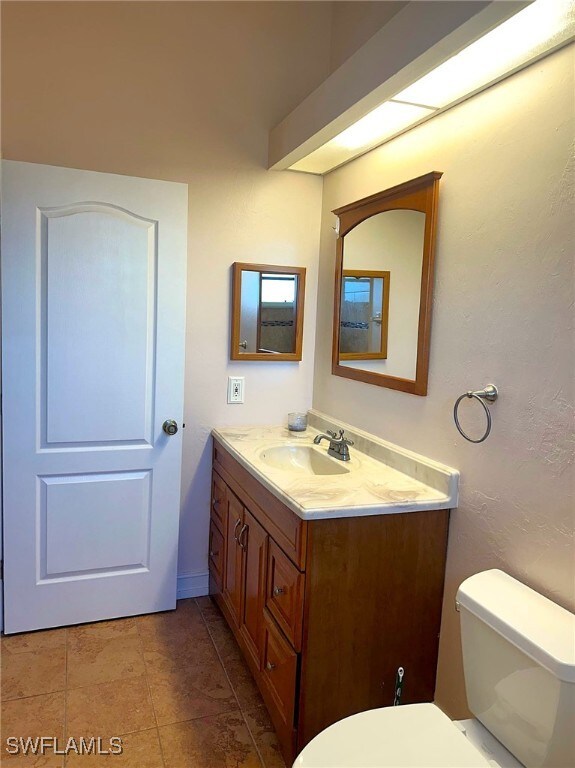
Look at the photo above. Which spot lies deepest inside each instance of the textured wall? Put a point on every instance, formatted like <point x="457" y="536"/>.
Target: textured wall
<point x="186" y="92"/>
<point x="502" y="313"/>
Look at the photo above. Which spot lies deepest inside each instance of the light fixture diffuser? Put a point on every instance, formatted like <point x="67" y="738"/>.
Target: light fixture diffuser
<point x="523" y="38"/>
<point x="535" y="31"/>
<point x="377" y="126"/>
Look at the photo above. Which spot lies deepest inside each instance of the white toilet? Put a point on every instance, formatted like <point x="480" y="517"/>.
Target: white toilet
<point x="519" y="663"/>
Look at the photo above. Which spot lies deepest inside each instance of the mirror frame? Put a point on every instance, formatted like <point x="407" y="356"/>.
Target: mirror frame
<point x="420" y="194"/>
<point x="382" y="354"/>
<point x="237" y="269"/>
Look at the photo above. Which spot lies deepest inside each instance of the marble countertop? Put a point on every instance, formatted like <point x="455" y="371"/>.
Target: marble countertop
<point x="382" y="478"/>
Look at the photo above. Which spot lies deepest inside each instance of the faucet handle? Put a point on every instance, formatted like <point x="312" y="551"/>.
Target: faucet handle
<point x="344" y="439"/>
<point x="330" y="433"/>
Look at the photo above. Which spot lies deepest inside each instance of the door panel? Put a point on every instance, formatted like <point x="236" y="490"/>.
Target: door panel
<point x="79" y="520"/>
<point x="255" y="584"/>
<point x="93" y="293"/>
<point x="98" y="366"/>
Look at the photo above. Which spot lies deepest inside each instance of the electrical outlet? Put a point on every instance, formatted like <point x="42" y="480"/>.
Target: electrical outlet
<point x="236" y="389"/>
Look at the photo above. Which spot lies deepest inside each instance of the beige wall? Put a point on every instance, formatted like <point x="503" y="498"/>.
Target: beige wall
<point x="186" y="92"/>
<point x="502" y="313"/>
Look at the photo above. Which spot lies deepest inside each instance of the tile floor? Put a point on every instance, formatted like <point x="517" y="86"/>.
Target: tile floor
<point x="173" y="685"/>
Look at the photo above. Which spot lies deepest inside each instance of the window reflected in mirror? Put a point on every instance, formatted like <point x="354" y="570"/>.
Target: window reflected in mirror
<point x="364" y="315"/>
<point x="267" y="316"/>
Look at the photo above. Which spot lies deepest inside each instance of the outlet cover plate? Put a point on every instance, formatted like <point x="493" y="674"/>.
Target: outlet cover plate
<point x="236" y="389"/>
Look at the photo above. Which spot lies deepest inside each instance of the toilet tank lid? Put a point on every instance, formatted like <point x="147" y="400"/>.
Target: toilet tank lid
<point x="537" y="626"/>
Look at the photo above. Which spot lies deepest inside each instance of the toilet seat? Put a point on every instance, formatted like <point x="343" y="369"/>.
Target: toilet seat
<point x="410" y="736"/>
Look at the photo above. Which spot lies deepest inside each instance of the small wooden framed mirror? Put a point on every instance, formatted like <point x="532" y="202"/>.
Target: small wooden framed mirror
<point x="384" y="286"/>
<point x="267" y="312"/>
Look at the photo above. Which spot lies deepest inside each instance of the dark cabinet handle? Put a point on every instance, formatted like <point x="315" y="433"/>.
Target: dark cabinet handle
<point x="241" y="540"/>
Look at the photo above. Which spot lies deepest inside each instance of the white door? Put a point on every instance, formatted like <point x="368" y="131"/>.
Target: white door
<point x="93" y="293"/>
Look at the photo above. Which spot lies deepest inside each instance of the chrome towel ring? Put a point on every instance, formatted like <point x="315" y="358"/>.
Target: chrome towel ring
<point x="490" y="394"/>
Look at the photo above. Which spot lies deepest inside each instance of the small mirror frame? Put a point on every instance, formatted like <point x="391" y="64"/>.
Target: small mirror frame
<point x="237" y="269"/>
<point x="419" y="194"/>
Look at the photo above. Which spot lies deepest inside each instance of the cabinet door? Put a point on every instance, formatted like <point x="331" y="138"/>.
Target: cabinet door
<point x="233" y="573"/>
<point x="254" y="540"/>
<point x="284" y="598"/>
<point x="219" y="506"/>
<point x="279" y="669"/>
<point x="216" y="556"/>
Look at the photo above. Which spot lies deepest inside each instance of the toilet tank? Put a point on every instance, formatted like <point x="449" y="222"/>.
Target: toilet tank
<point x="519" y="664"/>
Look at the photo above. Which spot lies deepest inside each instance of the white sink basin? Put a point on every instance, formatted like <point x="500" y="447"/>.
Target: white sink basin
<point x="303" y="459"/>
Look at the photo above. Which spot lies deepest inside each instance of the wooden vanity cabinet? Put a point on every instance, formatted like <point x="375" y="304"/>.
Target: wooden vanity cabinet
<point x="325" y="611"/>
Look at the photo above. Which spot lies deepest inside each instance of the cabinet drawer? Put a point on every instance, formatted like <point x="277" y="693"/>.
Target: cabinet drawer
<point x="218" y="509"/>
<point x="216" y="554"/>
<point x="279" y="670"/>
<point x="284" y="594"/>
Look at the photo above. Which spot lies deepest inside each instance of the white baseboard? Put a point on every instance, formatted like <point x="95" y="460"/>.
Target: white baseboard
<point x="195" y="584"/>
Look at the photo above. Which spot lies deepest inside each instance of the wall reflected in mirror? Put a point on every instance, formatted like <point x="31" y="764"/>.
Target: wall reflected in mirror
<point x="267" y="312"/>
<point x="391" y="244"/>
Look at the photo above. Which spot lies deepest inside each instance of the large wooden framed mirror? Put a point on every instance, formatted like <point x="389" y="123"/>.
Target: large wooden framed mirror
<point x="267" y="312"/>
<point x="384" y="286"/>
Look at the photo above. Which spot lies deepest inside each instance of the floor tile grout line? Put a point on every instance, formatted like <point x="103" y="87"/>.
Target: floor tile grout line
<point x="233" y="711"/>
<point x="31" y="653"/>
<point x="104" y="682"/>
<point x="32" y="696"/>
<point x="220" y="659"/>
<point x="259" y="754"/>
<point x="253" y="739"/>
<point x="104" y="640"/>
<point x="150" y="693"/>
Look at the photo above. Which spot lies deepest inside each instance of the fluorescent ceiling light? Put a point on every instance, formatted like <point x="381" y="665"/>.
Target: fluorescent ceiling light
<point x="386" y="120"/>
<point x="533" y="32"/>
<point x="382" y="123"/>
<point x="524" y="37"/>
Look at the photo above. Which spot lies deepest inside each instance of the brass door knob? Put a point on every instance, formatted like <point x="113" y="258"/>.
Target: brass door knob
<point x="170" y="426"/>
<point x="278" y="591"/>
<point x="270" y="666"/>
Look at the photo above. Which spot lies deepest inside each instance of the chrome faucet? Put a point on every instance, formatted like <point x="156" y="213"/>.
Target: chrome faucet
<point x="338" y="446"/>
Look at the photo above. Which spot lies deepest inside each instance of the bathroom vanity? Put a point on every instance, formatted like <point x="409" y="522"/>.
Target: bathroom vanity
<point x="329" y="573"/>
